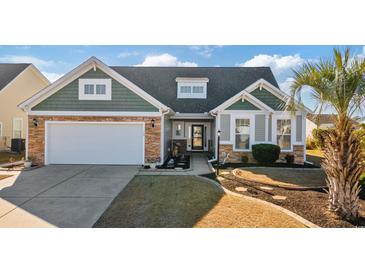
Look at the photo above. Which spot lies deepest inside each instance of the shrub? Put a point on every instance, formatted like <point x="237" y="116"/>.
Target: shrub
<point x="310" y="144"/>
<point x="289" y="158"/>
<point x="319" y="136"/>
<point x="265" y="153"/>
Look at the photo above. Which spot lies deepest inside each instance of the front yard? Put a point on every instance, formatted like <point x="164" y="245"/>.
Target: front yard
<point x="187" y="201"/>
<point x="310" y="204"/>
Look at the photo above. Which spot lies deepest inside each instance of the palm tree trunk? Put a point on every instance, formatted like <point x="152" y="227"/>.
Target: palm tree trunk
<point x="342" y="165"/>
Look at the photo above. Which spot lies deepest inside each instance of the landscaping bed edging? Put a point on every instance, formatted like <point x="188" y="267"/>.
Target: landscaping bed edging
<point x="286" y="211"/>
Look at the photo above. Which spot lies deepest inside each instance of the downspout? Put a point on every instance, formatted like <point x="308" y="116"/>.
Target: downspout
<point x="214" y="114"/>
<point x="162" y="134"/>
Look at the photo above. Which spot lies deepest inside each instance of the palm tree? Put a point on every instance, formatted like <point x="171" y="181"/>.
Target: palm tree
<point x="340" y="84"/>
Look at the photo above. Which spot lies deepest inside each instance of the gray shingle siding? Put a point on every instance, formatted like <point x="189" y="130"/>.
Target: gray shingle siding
<point x="225" y="127"/>
<point x="269" y="99"/>
<point x="260" y="127"/>
<point x="67" y="98"/>
<point x="299" y="128"/>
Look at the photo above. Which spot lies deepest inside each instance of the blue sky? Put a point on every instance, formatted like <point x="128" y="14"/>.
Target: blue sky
<point x="54" y="61"/>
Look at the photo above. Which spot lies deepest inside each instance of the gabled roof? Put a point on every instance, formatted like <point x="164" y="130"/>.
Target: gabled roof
<point x="8" y="72"/>
<point x="91" y="63"/>
<point x="224" y="82"/>
<point x="245" y="93"/>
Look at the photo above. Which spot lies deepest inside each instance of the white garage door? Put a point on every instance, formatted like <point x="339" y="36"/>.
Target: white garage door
<point x="94" y="143"/>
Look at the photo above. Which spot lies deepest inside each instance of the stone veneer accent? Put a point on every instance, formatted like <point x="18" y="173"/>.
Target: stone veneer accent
<point x="36" y="134"/>
<point x="236" y="156"/>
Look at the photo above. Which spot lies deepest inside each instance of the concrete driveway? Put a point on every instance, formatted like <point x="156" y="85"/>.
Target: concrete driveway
<point x="60" y="195"/>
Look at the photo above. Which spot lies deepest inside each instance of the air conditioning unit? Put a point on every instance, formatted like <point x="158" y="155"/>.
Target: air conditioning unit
<point x="17" y="145"/>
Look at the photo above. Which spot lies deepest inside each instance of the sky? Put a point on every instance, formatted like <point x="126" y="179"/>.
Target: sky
<point x="55" y="61"/>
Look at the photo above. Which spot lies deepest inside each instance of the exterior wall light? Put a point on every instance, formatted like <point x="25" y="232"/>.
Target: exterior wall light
<point x="153" y="123"/>
<point x="35" y="122"/>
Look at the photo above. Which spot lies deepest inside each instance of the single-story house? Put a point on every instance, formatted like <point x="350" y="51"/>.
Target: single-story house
<point x="17" y="83"/>
<point x="99" y="114"/>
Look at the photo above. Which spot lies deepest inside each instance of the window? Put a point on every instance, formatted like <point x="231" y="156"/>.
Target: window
<point x="95" y="89"/>
<point x="242" y="134"/>
<point x="89" y="89"/>
<point x="283" y="133"/>
<point x="194" y="88"/>
<point x="198" y="89"/>
<point x="185" y="89"/>
<point x="17" y="127"/>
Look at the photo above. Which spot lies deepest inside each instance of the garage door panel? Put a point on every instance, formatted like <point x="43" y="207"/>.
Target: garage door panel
<point x="88" y="143"/>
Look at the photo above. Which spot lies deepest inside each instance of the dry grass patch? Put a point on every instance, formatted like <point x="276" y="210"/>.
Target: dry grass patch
<point x="4" y="176"/>
<point x="186" y="201"/>
<point x="284" y="177"/>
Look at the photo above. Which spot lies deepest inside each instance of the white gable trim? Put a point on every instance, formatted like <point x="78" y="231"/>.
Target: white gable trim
<point x="91" y="63"/>
<point x="261" y="83"/>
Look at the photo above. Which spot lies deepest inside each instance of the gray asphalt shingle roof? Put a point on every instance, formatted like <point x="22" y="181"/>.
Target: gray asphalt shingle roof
<point x="9" y="71"/>
<point x="224" y="82"/>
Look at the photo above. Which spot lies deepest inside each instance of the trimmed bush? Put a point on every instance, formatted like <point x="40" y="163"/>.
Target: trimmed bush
<point x="265" y="153"/>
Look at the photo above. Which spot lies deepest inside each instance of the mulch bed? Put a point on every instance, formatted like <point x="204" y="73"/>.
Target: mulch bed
<point x="310" y="204"/>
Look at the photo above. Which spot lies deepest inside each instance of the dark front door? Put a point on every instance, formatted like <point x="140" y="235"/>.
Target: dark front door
<point x="197" y="137"/>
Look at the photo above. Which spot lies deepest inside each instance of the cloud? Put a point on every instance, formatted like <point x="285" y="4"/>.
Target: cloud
<point x="127" y="54"/>
<point x="51" y="76"/>
<point x="285" y="86"/>
<point x="205" y="51"/>
<point x="39" y="63"/>
<point x="279" y="64"/>
<point x="165" y="60"/>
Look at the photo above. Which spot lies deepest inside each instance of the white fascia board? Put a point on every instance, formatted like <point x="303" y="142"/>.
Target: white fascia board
<point x="92" y="62"/>
<point x="192" y="79"/>
<point x="95" y="113"/>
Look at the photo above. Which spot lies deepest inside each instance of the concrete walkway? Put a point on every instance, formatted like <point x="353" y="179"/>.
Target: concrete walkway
<point x="198" y="166"/>
<point x="60" y="195"/>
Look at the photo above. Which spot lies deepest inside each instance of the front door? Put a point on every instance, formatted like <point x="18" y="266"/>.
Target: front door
<point x="197" y="137"/>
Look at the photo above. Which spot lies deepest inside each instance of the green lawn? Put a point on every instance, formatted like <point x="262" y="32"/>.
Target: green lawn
<point x="6" y="157"/>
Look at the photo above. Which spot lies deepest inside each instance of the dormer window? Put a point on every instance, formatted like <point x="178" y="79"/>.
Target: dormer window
<point x="194" y="88"/>
<point x="95" y="89"/>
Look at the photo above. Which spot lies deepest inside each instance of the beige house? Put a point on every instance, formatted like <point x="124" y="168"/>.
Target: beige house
<point x="17" y="83"/>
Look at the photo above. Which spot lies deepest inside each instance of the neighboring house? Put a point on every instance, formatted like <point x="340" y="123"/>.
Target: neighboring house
<point x="17" y="83"/>
<point x="322" y="121"/>
<point x="98" y="114"/>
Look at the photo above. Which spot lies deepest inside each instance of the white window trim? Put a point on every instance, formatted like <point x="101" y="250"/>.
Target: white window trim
<point x="233" y="130"/>
<point x="21" y="127"/>
<point x="1" y="129"/>
<point x="192" y="95"/>
<point x="105" y="97"/>
<point x="292" y="119"/>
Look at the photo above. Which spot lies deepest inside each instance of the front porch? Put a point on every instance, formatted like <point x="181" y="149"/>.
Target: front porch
<point x="192" y="134"/>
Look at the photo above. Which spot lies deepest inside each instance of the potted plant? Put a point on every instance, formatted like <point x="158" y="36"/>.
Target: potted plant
<point x="28" y="162"/>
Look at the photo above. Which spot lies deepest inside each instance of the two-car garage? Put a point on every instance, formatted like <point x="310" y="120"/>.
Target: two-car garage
<point x="109" y="143"/>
